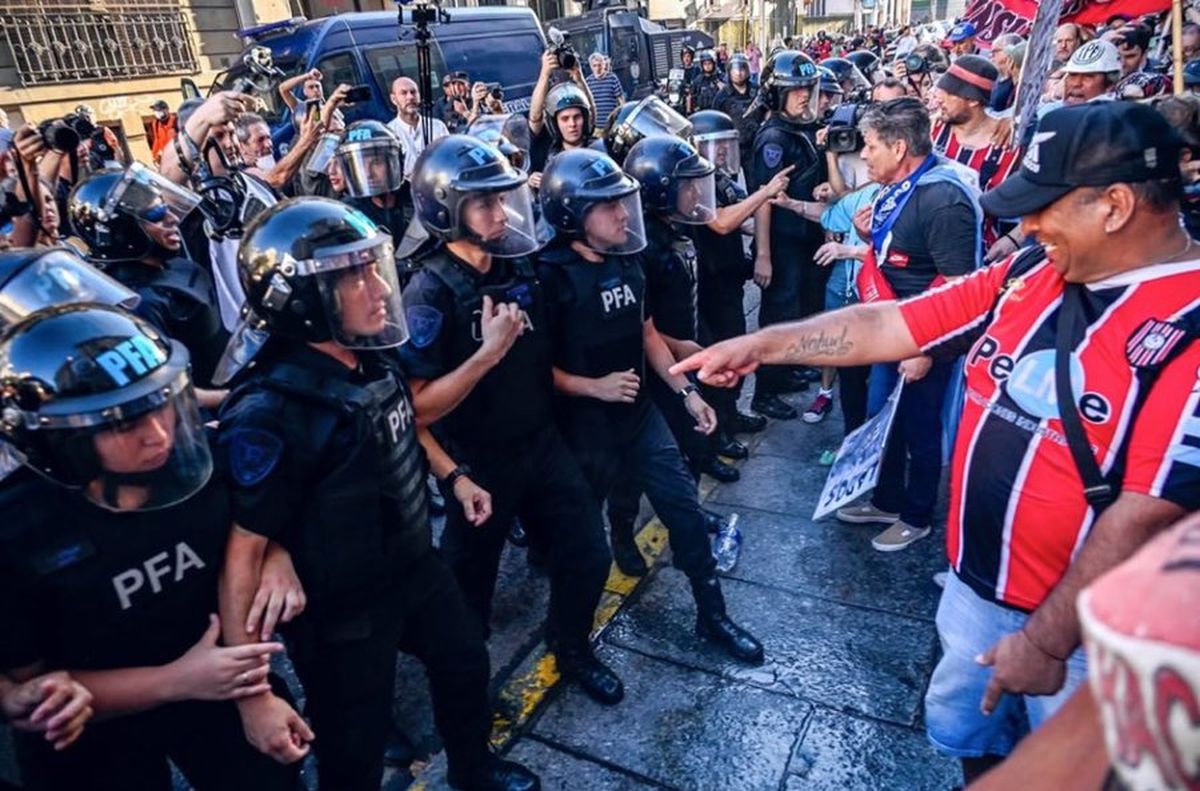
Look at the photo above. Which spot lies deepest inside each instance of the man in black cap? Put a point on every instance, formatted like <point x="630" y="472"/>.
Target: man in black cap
<point x="451" y="108"/>
<point x="1047" y="492"/>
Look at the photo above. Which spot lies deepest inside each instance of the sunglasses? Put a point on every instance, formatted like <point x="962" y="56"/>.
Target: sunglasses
<point x="154" y="214"/>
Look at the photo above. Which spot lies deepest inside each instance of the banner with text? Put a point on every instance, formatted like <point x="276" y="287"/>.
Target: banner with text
<point x="995" y="17"/>
<point x="856" y="469"/>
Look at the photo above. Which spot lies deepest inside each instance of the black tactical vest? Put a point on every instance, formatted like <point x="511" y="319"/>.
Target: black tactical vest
<point x="721" y="255"/>
<point x="514" y="399"/>
<point x="669" y="261"/>
<point x="367" y="512"/>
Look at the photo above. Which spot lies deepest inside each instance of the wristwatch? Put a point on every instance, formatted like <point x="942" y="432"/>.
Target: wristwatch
<point x="461" y="471"/>
<point x="688" y="389"/>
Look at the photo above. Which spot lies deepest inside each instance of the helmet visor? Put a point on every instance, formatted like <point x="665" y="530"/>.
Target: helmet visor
<point x="721" y="150"/>
<point x="322" y="155"/>
<point x="615" y="226"/>
<point x="59" y="278"/>
<point x="655" y="117"/>
<point x="695" y="200"/>
<point x="502" y="223"/>
<point x="373" y="168"/>
<point x="361" y="294"/>
<point x="801" y="104"/>
<point x="141" y="190"/>
<point x="245" y="342"/>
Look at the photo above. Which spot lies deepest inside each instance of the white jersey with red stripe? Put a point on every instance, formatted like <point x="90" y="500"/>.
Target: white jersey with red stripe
<point x="1018" y="515"/>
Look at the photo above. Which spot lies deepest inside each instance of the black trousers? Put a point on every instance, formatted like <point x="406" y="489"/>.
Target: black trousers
<point x="797" y="289"/>
<point x="204" y="739"/>
<point x="720" y="299"/>
<point x="539" y="481"/>
<point x="852" y="386"/>
<point x="651" y="462"/>
<point x="348" y="670"/>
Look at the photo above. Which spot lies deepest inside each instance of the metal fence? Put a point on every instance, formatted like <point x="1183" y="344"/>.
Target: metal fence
<point x="53" y="41"/>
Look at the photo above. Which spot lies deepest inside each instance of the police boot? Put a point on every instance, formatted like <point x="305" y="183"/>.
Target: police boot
<point x="746" y="423"/>
<point x="774" y="407"/>
<point x="497" y="775"/>
<point x="723" y="472"/>
<point x="625" y="552"/>
<point x="594" y="677"/>
<point x="713" y="624"/>
<point x="730" y="448"/>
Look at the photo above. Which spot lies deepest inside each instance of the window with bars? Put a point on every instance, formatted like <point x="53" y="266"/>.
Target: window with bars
<point x="56" y="41"/>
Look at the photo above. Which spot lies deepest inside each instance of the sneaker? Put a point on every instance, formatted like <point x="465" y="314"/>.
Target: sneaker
<point x="821" y="406"/>
<point x="939" y="579"/>
<point x="866" y="514"/>
<point x="828" y="457"/>
<point x="898" y="536"/>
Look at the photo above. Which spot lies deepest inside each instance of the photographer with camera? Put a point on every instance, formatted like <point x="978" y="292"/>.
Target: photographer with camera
<point x="561" y="116"/>
<point x="451" y="107"/>
<point x="487" y="98"/>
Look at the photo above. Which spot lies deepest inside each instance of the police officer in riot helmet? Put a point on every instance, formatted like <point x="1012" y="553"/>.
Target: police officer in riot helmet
<point x="129" y="220"/>
<point x="831" y="93"/>
<point x="735" y="98"/>
<point x="634" y="121"/>
<point x="691" y="70"/>
<point x="568" y="124"/>
<point x="111" y="543"/>
<point x="867" y="63"/>
<point x="603" y="340"/>
<point x="372" y="162"/>
<point x="850" y="79"/>
<point x="784" y="242"/>
<point x="322" y="441"/>
<point x="706" y="84"/>
<point x="33" y="278"/>
<point x="481" y="374"/>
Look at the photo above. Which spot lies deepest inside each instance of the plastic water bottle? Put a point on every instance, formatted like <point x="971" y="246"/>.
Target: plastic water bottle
<point x="727" y="545"/>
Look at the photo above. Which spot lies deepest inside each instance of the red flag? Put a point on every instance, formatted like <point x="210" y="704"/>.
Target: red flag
<point x="995" y="17"/>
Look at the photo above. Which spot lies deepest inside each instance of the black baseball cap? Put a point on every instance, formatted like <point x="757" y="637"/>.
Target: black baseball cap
<point x="1088" y="145"/>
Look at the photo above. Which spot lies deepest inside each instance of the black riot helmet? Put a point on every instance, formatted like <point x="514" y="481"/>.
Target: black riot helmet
<point x="36" y="278"/>
<point x="715" y="137"/>
<point x="848" y="75"/>
<point x="707" y="56"/>
<point x="790" y="71"/>
<point x="634" y="121"/>
<point x="739" y="64"/>
<point x="586" y="196"/>
<point x="372" y="159"/>
<point x="687" y="49"/>
<point x="317" y="270"/>
<point x="866" y="61"/>
<point x="108" y="207"/>
<point x="568" y="96"/>
<point x="466" y="189"/>
<point x="1191" y="73"/>
<point x="677" y="182"/>
<point x="98" y="400"/>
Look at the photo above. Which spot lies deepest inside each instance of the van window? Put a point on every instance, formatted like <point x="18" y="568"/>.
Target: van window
<point x="587" y="41"/>
<point x="511" y="60"/>
<point x="337" y="69"/>
<point x="388" y="63"/>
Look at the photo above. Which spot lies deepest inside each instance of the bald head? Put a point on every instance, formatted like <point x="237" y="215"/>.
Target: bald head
<point x="406" y="98"/>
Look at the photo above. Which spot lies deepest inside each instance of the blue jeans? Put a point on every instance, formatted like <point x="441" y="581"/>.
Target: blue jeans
<point x="967" y="626"/>
<point x="651" y="462"/>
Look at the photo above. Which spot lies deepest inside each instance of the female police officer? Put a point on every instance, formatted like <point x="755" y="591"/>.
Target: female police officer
<point x="602" y="342"/>
<point x="480" y="361"/>
<point x="109" y="557"/>
<point x="323" y="449"/>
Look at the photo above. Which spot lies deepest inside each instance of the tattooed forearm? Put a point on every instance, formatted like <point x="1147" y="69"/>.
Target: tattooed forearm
<point x="855" y="335"/>
<point x="819" y="346"/>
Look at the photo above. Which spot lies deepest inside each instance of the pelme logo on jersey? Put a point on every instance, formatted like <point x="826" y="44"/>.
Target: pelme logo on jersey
<point x="132" y="359"/>
<point x="1030" y="382"/>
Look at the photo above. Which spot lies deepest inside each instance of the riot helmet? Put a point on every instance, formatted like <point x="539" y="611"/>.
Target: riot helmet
<point x="739" y="69"/>
<point x="371" y="158"/>
<point x="35" y="278"/>
<point x="1191" y="74"/>
<point x="586" y="196"/>
<point x="848" y="76"/>
<point x="634" y="121"/>
<point x="831" y="92"/>
<point x="317" y="270"/>
<point x="708" y="61"/>
<point x="465" y="189"/>
<point x="715" y="137"/>
<point x="513" y="153"/>
<point x="793" y="72"/>
<point x="676" y="181"/>
<point x="513" y="127"/>
<point x="99" y="401"/>
<point x="689" y="51"/>
<point x="866" y="61"/>
<point x="110" y="210"/>
<point x="561" y="98"/>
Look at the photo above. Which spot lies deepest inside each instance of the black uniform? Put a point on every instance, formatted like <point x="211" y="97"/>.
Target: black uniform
<point x="326" y="461"/>
<point x="455" y="121"/>
<point x="734" y="104"/>
<point x="596" y="318"/>
<point x="179" y="299"/>
<point x="797" y="286"/>
<point x="504" y="431"/>
<point x="394" y="219"/>
<point x="89" y="589"/>
<point x="704" y="89"/>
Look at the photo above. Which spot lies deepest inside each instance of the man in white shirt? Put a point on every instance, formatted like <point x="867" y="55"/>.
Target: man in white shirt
<point x="407" y="123"/>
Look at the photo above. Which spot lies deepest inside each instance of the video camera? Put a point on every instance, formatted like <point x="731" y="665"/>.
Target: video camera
<point x="843" y="136"/>
<point x="261" y="73"/>
<point x="65" y="134"/>
<point x="560" y="45"/>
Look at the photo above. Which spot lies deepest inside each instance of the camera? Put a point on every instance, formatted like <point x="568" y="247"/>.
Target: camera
<point x="261" y="73"/>
<point x="843" y="136"/>
<point x="65" y="134"/>
<point x="496" y="91"/>
<point x="560" y="45"/>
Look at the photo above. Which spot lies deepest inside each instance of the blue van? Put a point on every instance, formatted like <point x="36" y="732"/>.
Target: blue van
<point x="494" y="44"/>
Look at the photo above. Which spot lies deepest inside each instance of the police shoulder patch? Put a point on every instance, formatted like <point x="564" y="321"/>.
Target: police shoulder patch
<point x="253" y="454"/>
<point x="772" y="154"/>
<point x="424" y="324"/>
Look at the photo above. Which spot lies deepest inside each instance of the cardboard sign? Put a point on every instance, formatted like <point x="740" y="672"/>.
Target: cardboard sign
<point x="856" y="469"/>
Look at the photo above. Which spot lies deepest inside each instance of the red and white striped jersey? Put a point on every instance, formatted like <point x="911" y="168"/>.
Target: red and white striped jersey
<point x="1017" y="512"/>
<point x="993" y="164"/>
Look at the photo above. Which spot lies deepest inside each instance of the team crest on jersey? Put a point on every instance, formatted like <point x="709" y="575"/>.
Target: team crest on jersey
<point x="1012" y="288"/>
<point x="1152" y="342"/>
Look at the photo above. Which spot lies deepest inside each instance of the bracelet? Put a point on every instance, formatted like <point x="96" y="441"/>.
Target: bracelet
<point x="461" y="471"/>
